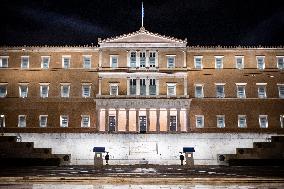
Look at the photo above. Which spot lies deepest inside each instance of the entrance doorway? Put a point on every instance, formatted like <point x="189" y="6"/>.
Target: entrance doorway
<point x="142" y="124"/>
<point x="111" y="124"/>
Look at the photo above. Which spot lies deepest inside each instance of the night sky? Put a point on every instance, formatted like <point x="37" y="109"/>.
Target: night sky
<point x="202" y="22"/>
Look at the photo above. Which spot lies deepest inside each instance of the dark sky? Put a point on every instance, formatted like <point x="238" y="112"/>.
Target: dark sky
<point x="202" y="22"/>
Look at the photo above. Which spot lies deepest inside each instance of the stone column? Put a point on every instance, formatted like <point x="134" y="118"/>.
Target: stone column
<point x="137" y="59"/>
<point x="148" y="119"/>
<point x="98" y="120"/>
<point x="127" y="120"/>
<point x="157" y="87"/>
<point x="106" y="120"/>
<point x="147" y="58"/>
<point x="128" y="58"/>
<point x="185" y="85"/>
<point x="157" y="59"/>
<point x="184" y="59"/>
<point x="128" y="86"/>
<point x="116" y="119"/>
<point x="138" y="86"/>
<point x="147" y="86"/>
<point x="158" y="120"/>
<point x="137" y="120"/>
<point x="100" y="86"/>
<point x="178" y="120"/>
<point x="168" y="119"/>
<point x="100" y="58"/>
<point x="187" y="120"/>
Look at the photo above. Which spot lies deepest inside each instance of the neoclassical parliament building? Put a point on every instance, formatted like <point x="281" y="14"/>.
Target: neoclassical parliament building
<point x="142" y="96"/>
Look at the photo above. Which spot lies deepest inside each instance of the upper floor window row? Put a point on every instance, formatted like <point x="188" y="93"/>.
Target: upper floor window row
<point x="142" y="59"/>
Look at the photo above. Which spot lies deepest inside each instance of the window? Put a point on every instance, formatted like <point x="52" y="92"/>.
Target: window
<point x="261" y="90"/>
<point x="45" y="62"/>
<point x="152" y="59"/>
<point x="152" y="87"/>
<point x="24" y="61"/>
<point x="133" y="59"/>
<point x="219" y="62"/>
<point x="198" y="62"/>
<point x="282" y="121"/>
<point x="87" y="61"/>
<point x="220" y="91"/>
<point x="64" y="119"/>
<point x="241" y="92"/>
<point x="239" y="62"/>
<point x="2" y="120"/>
<point x="113" y="89"/>
<point x="260" y="62"/>
<point x="111" y="123"/>
<point x="4" y="61"/>
<point x="113" y="61"/>
<point x="66" y="61"/>
<point x="86" y="90"/>
<point x="42" y="120"/>
<point x="242" y="121"/>
<point x="142" y="86"/>
<point x="171" y="61"/>
<point x="23" y="91"/>
<point x="263" y="122"/>
<point x="220" y="121"/>
<point x="199" y="91"/>
<point x="171" y="89"/>
<point x="3" y="90"/>
<point x="22" y="121"/>
<point x="132" y="83"/>
<point x="199" y="121"/>
<point x="44" y="88"/>
<point x="65" y="90"/>
<point x="85" y="122"/>
<point x="281" y="90"/>
<point x="173" y="123"/>
<point x="280" y="62"/>
<point x="142" y="59"/>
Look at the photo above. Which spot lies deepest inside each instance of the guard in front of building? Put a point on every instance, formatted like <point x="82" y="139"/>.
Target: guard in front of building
<point x="181" y="157"/>
<point x="107" y="158"/>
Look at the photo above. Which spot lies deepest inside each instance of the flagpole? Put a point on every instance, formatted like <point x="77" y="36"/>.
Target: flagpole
<point x="142" y="14"/>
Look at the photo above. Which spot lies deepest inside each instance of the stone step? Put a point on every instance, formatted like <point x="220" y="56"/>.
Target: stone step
<point x="8" y="139"/>
<point x="277" y="139"/>
<point x="263" y="144"/>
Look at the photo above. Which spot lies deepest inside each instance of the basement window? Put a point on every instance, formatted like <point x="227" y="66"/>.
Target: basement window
<point x="263" y="121"/>
<point x="42" y="120"/>
<point x="22" y="121"/>
<point x="64" y="119"/>
<point x="85" y="121"/>
<point x="242" y="121"/>
<point x="199" y="121"/>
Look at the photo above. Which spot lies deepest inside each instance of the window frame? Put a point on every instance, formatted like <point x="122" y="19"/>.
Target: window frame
<point x="257" y="62"/>
<point x="62" y="85"/>
<point x="260" y="123"/>
<point x="19" y="121"/>
<point x="40" y="89"/>
<point x="110" y="89"/>
<point x="89" y="88"/>
<point x="201" y="62"/>
<point x="82" y="121"/>
<point x="244" y="92"/>
<point x="196" y="121"/>
<point x="3" y="120"/>
<point x="84" y="62"/>
<point x="111" y="63"/>
<point x="42" y="62"/>
<point x="61" y="119"/>
<point x="243" y="62"/>
<point x="280" y="57"/>
<point x="261" y="85"/>
<point x="216" y="88"/>
<point x="279" y="85"/>
<point x="28" y="62"/>
<point x="282" y="121"/>
<point x="69" y="62"/>
<point x="202" y="90"/>
<point x="1" y="61"/>
<point x="174" y="89"/>
<point x="222" y="61"/>
<point x="174" y="61"/>
<point x="6" y="90"/>
<point x="245" y="121"/>
<point x="40" y="117"/>
<point x="224" y="121"/>
<point x="20" y="90"/>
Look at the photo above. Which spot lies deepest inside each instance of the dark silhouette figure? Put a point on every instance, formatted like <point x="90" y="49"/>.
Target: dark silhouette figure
<point x="107" y="158"/>
<point x="181" y="157"/>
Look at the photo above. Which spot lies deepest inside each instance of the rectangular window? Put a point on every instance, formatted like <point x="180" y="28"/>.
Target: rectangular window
<point x="198" y="62"/>
<point x="152" y="87"/>
<point x="65" y="90"/>
<point x="199" y="121"/>
<point x="282" y="121"/>
<point x="152" y="59"/>
<point x="66" y="62"/>
<point x="260" y="62"/>
<point x="220" y="121"/>
<point x="24" y="62"/>
<point x="241" y="92"/>
<point x="142" y="86"/>
<point x="263" y="121"/>
<point x="280" y="62"/>
<point x="220" y="91"/>
<point x="111" y="123"/>
<point x="261" y="90"/>
<point x="64" y="119"/>
<point x="199" y="91"/>
<point x="171" y="61"/>
<point x="133" y="59"/>
<point x="171" y="89"/>
<point x="3" y="90"/>
<point x="239" y="62"/>
<point x="4" y="61"/>
<point x="87" y="62"/>
<point x="113" y="61"/>
<point x="132" y="83"/>
<point x="23" y="91"/>
<point x="86" y="91"/>
<point x="2" y="120"/>
<point x="173" y="123"/>
<point x="45" y="62"/>
<point x="44" y="88"/>
<point x="281" y="90"/>
<point x="113" y="89"/>
<point x="218" y="62"/>
<point x="242" y="121"/>
<point x="142" y="59"/>
<point x="42" y="120"/>
<point x="22" y="121"/>
<point x="85" y="122"/>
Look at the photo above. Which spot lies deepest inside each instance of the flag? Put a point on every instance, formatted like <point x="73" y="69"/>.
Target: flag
<point x="142" y="11"/>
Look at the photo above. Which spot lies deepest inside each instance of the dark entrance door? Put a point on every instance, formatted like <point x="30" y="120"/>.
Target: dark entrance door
<point x="111" y="123"/>
<point x="142" y="124"/>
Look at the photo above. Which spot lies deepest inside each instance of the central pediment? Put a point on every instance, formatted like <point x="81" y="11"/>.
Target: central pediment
<point x="142" y="38"/>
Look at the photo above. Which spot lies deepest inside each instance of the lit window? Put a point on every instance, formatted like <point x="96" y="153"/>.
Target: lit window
<point x="45" y="62"/>
<point x="199" y="91"/>
<point x="3" y="90"/>
<point x="199" y="121"/>
<point x="241" y="92"/>
<point x="242" y="121"/>
<point x="198" y="62"/>
<point x="85" y="122"/>
<point x="66" y="62"/>
<point x="133" y="59"/>
<point x="239" y="62"/>
<point x="171" y="61"/>
<point x="282" y="121"/>
<point x="132" y="85"/>
<point x="218" y="62"/>
<point x="65" y="90"/>
<point x="142" y="86"/>
<point x="261" y="89"/>
<point x="4" y="61"/>
<point x="173" y="123"/>
<point x="42" y="120"/>
<point x="220" y="91"/>
<point x="142" y="59"/>
<point x="64" y="121"/>
<point x="220" y="121"/>
<point x="23" y="91"/>
<point x="263" y="122"/>
<point x="280" y="62"/>
<point x="113" y="61"/>
<point x="44" y="88"/>
<point x="152" y="87"/>
<point x="2" y="120"/>
<point x="22" y="121"/>
<point x="152" y="59"/>
<point x="281" y="90"/>
<point x="87" y="62"/>
<point x="25" y="62"/>
<point x="171" y="89"/>
<point x="260" y="62"/>
<point x="113" y="89"/>
<point x="86" y="90"/>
